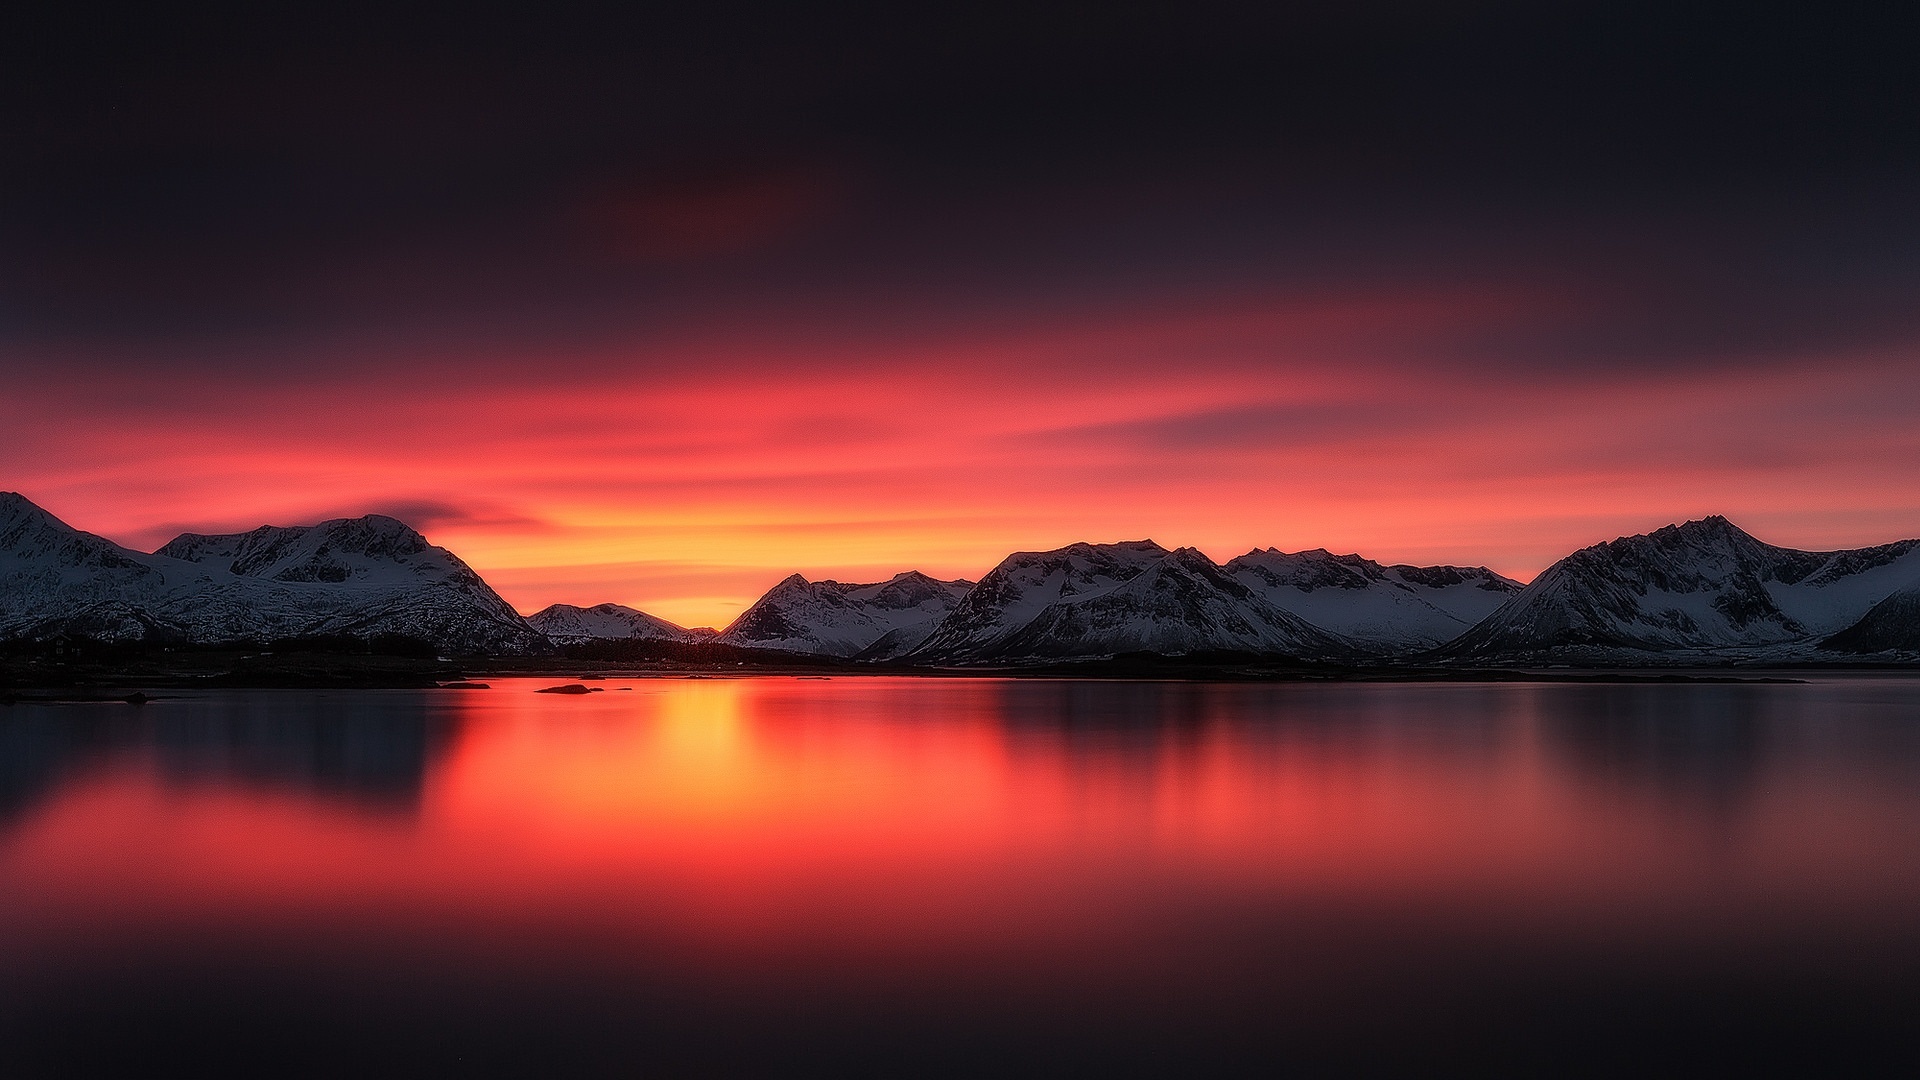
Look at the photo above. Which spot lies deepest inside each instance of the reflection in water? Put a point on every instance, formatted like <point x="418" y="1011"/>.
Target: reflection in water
<point x="973" y="876"/>
<point x="368" y="745"/>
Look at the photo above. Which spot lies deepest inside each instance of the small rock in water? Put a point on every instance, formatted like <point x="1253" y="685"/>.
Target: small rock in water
<point x="464" y="685"/>
<point x="570" y="688"/>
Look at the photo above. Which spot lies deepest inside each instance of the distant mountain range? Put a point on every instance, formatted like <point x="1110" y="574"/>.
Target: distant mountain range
<point x="1702" y="592"/>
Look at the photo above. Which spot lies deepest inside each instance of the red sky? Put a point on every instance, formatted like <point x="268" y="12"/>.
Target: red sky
<point x="684" y="474"/>
<point x="659" y="306"/>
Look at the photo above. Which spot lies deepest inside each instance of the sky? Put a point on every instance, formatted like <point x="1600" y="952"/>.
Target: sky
<point x="657" y="308"/>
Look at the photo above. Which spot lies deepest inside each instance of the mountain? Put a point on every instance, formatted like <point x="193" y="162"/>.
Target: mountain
<point x="1704" y="585"/>
<point x="1701" y="591"/>
<point x="1094" y="600"/>
<point x="567" y="624"/>
<point x="1392" y="608"/>
<point x="830" y="618"/>
<point x="357" y="577"/>
<point x="56" y="579"/>
<point x="1892" y="625"/>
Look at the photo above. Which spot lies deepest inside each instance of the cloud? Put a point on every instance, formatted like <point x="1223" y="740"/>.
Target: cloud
<point x="428" y="514"/>
<point x="424" y="515"/>
<point x="1240" y="428"/>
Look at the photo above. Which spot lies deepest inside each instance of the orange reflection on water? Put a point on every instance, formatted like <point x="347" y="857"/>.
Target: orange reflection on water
<point x="860" y="823"/>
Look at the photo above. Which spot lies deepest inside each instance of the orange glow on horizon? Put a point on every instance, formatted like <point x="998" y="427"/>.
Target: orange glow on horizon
<point x="686" y="474"/>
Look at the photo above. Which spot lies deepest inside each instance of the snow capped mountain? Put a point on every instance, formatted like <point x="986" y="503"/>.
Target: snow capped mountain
<point x="360" y="577"/>
<point x="567" y="624"/>
<point x="1701" y="591"/>
<point x="1704" y="585"/>
<point x="1393" y="608"/>
<point x="56" y="579"/>
<point x="831" y="618"/>
<point x="1093" y="600"/>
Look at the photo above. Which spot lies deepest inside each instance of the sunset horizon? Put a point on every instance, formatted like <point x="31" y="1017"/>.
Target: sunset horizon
<point x="882" y="571"/>
<point x="744" y="539"/>
<point x="618" y="325"/>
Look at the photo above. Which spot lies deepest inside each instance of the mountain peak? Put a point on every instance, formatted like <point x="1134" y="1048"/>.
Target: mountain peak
<point x="15" y="506"/>
<point x="28" y="530"/>
<point x="1116" y="545"/>
<point x="380" y="522"/>
<point x="366" y="527"/>
<point x="1711" y="538"/>
<point x="1710" y="528"/>
<point x="571" y="624"/>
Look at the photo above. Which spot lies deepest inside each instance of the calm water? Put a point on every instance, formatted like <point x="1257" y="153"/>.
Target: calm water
<point x="781" y="876"/>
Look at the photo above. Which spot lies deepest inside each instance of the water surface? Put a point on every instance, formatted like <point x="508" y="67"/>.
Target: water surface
<point x="979" y="877"/>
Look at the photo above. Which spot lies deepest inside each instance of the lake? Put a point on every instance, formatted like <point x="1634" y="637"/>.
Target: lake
<point x="782" y="876"/>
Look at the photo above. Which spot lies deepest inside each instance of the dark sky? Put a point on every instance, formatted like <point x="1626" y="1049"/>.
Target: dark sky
<point x="170" y="173"/>
<point x="833" y="213"/>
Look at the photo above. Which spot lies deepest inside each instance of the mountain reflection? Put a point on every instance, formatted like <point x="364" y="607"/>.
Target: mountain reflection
<point x="370" y="747"/>
<point x="1718" y="742"/>
<point x="36" y="750"/>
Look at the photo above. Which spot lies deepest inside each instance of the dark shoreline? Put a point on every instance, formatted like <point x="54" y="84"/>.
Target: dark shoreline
<point x="121" y="678"/>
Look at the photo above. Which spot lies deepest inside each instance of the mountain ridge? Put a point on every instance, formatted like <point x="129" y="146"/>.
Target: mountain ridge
<point x="1700" y="585"/>
<point x="1698" y="591"/>
<point x="1393" y="608"/>
<point x="1092" y="600"/>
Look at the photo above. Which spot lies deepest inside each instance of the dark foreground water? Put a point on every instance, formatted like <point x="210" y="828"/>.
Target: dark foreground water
<point x="855" y="876"/>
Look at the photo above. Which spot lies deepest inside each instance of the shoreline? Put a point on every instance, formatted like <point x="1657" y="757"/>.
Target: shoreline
<point x="41" y="681"/>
